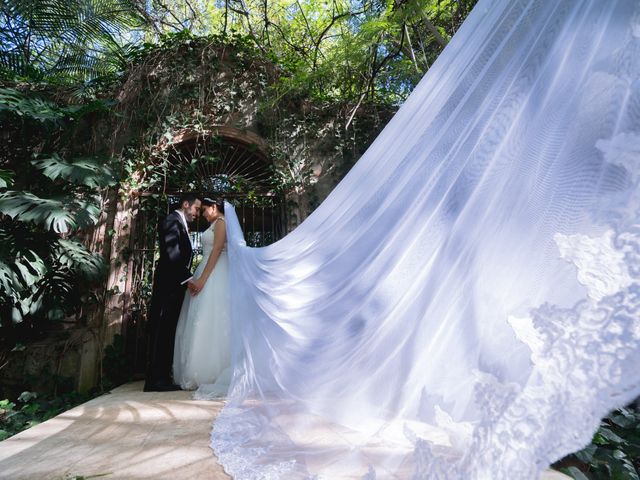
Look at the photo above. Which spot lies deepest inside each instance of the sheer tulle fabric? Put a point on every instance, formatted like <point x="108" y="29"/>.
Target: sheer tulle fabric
<point x="465" y="303"/>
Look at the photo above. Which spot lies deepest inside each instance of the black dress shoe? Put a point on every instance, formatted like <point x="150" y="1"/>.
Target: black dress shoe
<point x="161" y="387"/>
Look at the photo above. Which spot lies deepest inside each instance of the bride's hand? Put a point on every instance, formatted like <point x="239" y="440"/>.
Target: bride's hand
<point x="196" y="287"/>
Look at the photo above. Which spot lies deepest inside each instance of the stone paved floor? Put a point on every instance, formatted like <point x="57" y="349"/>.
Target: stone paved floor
<point x="126" y="434"/>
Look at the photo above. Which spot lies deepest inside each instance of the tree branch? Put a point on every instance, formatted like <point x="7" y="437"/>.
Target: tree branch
<point x="434" y="30"/>
<point x="193" y="12"/>
<point x="266" y="21"/>
<point x="304" y="17"/>
<point x="169" y="12"/>
<point x="412" y="53"/>
<point x="251" y="32"/>
<point x="145" y="15"/>
<point x="226" y="17"/>
<point x="301" y="50"/>
<point x="332" y="22"/>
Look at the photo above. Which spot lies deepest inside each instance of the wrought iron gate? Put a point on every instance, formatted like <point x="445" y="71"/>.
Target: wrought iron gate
<point x="212" y="167"/>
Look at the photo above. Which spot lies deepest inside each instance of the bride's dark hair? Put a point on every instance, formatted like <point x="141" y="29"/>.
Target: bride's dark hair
<point x="218" y="202"/>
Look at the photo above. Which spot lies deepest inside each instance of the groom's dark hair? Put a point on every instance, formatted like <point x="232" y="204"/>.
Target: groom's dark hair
<point x="188" y="197"/>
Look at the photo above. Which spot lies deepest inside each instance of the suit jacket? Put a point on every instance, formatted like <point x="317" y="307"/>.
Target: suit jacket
<point x="174" y="266"/>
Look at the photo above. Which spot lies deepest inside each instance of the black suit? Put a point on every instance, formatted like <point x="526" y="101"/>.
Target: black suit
<point x="168" y="293"/>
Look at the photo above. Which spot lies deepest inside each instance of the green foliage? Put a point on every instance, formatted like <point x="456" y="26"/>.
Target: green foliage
<point x="116" y="368"/>
<point x="6" y="178"/>
<point x="43" y="276"/>
<point x="30" y="409"/>
<point x="64" y="40"/>
<point x="346" y="49"/>
<point x="74" y="257"/>
<point x="614" y="453"/>
<point x="61" y="216"/>
<point x="13" y="101"/>
<point x="89" y="172"/>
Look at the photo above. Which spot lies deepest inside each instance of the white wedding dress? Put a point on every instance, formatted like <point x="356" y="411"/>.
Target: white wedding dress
<point x="202" y="347"/>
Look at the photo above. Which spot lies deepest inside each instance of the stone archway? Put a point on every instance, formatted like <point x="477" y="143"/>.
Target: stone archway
<point x="231" y="163"/>
<point x="233" y="152"/>
<point x="219" y="162"/>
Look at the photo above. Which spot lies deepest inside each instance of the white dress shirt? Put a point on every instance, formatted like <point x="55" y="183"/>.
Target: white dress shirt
<point x="186" y="226"/>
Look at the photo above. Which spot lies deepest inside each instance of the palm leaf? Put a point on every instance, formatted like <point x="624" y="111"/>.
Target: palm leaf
<point x="20" y="266"/>
<point x="47" y="282"/>
<point x="12" y="61"/>
<point x="7" y="279"/>
<point x="30" y="268"/>
<point x="71" y="38"/>
<point x="86" y="211"/>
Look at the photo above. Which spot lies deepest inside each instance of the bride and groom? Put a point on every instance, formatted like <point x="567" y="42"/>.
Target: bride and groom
<point x="189" y="344"/>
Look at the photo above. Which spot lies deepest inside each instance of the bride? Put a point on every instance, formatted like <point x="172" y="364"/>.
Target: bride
<point x="202" y="346"/>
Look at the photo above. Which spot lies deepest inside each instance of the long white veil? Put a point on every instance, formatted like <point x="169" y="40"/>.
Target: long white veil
<point x="465" y="304"/>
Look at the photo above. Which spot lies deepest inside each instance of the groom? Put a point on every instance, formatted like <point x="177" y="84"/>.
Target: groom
<point x="171" y="279"/>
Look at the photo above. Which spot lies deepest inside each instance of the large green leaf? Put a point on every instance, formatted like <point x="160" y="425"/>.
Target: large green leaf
<point x="20" y="270"/>
<point x="6" y="178"/>
<point x="86" y="211"/>
<point x="45" y="283"/>
<point x="30" y="268"/>
<point x="57" y="215"/>
<point x="83" y="171"/>
<point x="76" y="257"/>
<point x="26" y="207"/>
<point x="11" y="100"/>
<point x="7" y="279"/>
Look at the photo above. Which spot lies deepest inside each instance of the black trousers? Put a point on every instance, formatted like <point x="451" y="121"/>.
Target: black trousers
<point x="166" y="302"/>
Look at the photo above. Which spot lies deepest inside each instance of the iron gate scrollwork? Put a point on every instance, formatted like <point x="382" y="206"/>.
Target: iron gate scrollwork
<point x="214" y="167"/>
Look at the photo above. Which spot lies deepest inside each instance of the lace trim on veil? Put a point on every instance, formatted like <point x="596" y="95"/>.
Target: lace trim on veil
<point x="584" y="356"/>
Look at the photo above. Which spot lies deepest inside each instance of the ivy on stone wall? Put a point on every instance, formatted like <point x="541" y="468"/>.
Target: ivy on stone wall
<point x="188" y="83"/>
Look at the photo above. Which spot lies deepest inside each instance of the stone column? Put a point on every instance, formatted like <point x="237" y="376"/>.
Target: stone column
<point x="113" y="238"/>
